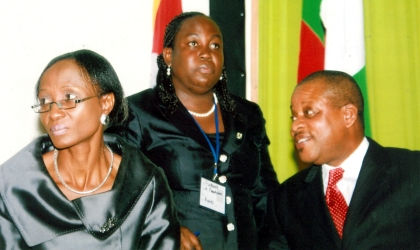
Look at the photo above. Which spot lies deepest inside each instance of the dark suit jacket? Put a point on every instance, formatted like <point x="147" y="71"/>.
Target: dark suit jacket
<point x="384" y="211"/>
<point x="175" y="143"/>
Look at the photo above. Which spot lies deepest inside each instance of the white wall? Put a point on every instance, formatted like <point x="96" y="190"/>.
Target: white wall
<point x="33" y="32"/>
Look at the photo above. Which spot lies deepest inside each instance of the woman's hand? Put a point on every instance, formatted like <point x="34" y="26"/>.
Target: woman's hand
<point x="189" y="241"/>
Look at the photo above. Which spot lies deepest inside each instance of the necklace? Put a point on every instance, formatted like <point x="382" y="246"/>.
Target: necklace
<point x="209" y="112"/>
<point x="83" y="192"/>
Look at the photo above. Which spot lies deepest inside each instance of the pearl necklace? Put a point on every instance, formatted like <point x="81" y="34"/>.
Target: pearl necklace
<point x="209" y="112"/>
<point x="82" y="192"/>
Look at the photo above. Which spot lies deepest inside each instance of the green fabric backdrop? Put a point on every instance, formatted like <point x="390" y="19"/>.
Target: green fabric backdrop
<point x="392" y="38"/>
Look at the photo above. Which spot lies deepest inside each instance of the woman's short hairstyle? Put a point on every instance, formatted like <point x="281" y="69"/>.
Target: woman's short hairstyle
<point x="99" y="72"/>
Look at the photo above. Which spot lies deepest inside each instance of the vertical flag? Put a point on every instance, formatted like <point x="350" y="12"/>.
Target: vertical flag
<point x="345" y="44"/>
<point x="311" y="56"/>
<point x="333" y="33"/>
<point x="164" y="11"/>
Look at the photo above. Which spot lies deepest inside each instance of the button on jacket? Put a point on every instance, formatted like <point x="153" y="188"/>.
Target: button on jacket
<point x="174" y="142"/>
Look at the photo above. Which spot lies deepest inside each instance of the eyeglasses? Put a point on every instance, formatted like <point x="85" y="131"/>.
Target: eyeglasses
<point x="61" y="104"/>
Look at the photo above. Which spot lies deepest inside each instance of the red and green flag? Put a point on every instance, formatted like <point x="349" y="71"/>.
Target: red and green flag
<point x="312" y="48"/>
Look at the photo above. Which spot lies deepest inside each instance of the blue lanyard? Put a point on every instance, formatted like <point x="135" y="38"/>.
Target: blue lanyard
<point x="215" y="151"/>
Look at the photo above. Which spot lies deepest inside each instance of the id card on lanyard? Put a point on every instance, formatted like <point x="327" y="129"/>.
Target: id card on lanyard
<point x="212" y="194"/>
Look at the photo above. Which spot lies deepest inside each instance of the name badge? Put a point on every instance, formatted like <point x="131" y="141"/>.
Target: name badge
<point x="212" y="195"/>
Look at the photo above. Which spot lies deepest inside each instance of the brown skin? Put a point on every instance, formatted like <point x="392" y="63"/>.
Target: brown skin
<point x="197" y="61"/>
<point x="77" y="133"/>
<point x="322" y="133"/>
<point x="189" y="241"/>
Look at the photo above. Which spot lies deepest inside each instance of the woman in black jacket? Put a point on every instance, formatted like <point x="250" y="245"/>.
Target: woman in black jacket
<point x="211" y="145"/>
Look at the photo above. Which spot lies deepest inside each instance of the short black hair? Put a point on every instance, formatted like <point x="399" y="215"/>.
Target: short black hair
<point x="101" y="75"/>
<point x="341" y="89"/>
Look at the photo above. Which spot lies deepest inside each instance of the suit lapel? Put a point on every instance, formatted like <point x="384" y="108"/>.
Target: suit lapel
<point x="235" y="135"/>
<point x="316" y="202"/>
<point x="184" y="122"/>
<point x="103" y="214"/>
<point x="372" y="177"/>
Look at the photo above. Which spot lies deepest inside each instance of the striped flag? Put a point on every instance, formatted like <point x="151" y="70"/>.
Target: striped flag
<point x="342" y="38"/>
<point x="164" y="11"/>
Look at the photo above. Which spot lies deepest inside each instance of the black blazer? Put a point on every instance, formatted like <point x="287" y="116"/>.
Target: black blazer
<point x="384" y="211"/>
<point x="175" y="143"/>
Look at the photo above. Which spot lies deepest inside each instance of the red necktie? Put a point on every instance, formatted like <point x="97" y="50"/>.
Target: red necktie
<point x="335" y="200"/>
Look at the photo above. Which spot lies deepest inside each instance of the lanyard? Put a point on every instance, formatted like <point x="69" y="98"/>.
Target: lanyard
<point x="215" y="151"/>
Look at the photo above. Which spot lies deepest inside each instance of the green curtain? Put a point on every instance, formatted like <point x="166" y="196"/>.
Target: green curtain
<point x="392" y="38"/>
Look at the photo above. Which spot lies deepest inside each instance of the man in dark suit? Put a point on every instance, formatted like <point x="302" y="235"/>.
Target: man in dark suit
<point x="374" y="202"/>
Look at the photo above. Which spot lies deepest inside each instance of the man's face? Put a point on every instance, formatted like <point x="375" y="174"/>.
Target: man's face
<point x="318" y="128"/>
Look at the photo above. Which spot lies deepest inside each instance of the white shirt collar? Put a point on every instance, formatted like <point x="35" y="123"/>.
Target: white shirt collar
<point x="351" y="166"/>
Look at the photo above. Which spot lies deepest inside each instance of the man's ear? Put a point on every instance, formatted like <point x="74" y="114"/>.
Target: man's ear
<point x="350" y="114"/>
<point x="167" y="56"/>
<point x="107" y="102"/>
